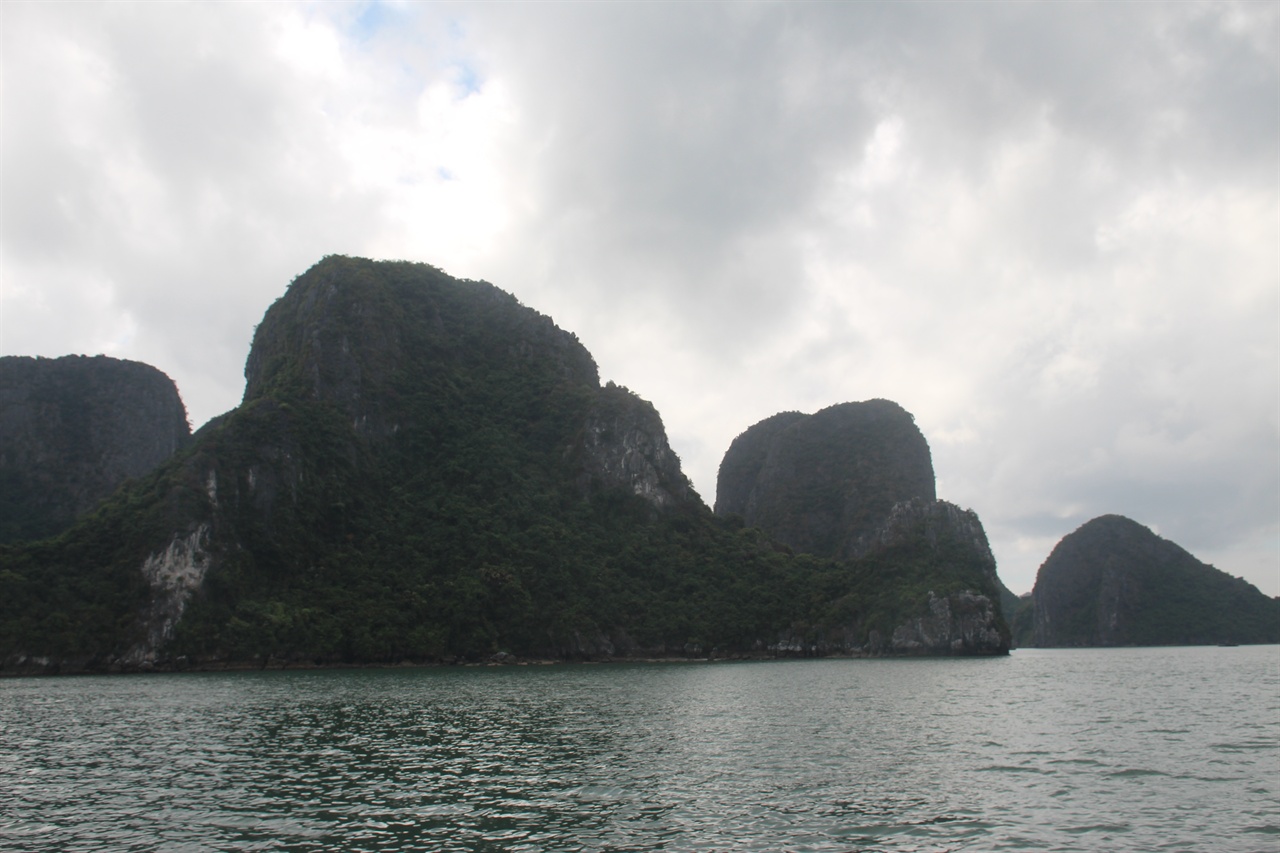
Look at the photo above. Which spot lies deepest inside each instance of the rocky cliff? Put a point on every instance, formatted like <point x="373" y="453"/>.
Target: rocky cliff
<point x="824" y="483"/>
<point x="73" y="429"/>
<point x="944" y="583"/>
<point x="360" y="336"/>
<point x="964" y="615"/>
<point x="1114" y="582"/>
<point x="927" y="586"/>
<point x="424" y="469"/>
<point x="624" y="445"/>
<point x="381" y="348"/>
<point x="421" y="467"/>
<point x="740" y="468"/>
<point x="855" y="482"/>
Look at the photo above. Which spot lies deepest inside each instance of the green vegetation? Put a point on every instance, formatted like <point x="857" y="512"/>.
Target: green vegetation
<point x="1114" y="582"/>
<point x="76" y="597"/>
<point x="407" y="479"/>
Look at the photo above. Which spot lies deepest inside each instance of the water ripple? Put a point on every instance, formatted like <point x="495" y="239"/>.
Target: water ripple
<point x="1064" y="751"/>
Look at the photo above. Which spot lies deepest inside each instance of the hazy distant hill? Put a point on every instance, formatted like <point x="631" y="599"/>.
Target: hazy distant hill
<point x="1113" y="582"/>
<point x="424" y="469"/>
<point x="73" y="429"/>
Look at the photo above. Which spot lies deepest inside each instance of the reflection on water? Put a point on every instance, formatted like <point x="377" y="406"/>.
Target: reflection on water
<point x="1129" y="749"/>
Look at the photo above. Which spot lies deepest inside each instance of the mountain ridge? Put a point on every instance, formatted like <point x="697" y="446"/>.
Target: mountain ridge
<point x="424" y="469"/>
<point x="1114" y="582"/>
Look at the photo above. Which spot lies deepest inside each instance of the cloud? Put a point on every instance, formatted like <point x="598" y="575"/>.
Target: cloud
<point x="155" y="177"/>
<point x="1046" y="229"/>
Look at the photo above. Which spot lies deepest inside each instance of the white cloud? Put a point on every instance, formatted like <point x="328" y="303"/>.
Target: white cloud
<point x="1046" y="230"/>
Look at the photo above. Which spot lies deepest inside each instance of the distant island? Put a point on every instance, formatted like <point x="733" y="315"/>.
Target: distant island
<point x="424" y="470"/>
<point x="1113" y="582"/>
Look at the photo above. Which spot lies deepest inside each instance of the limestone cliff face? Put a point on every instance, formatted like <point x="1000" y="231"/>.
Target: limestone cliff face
<point x="966" y="620"/>
<point x="855" y="482"/>
<point x="1115" y="582"/>
<point x="939" y="524"/>
<point x="625" y="445"/>
<point x="942" y="550"/>
<point x="367" y="370"/>
<point x="963" y="623"/>
<point x="824" y="483"/>
<point x="173" y="575"/>
<point x="740" y="469"/>
<point x="361" y="335"/>
<point x="368" y="343"/>
<point x="73" y="429"/>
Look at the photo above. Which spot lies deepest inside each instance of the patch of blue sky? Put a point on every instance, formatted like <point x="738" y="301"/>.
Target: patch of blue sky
<point x="466" y="80"/>
<point x="371" y="18"/>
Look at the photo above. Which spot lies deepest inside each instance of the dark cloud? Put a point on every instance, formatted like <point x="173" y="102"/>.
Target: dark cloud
<point x="165" y="159"/>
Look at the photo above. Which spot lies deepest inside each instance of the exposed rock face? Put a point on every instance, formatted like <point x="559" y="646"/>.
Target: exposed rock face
<point x="940" y="550"/>
<point x="625" y="445"/>
<point x="740" y="468"/>
<point x="353" y="336"/>
<point x="361" y="341"/>
<point x="953" y="543"/>
<point x="939" y="524"/>
<point x="855" y="482"/>
<point x="72" y="429"/>
<point x="824" y="483"/>
<point x="1114" y="582"/>
<point x="173" y="575"/>
<point x="961" y="623"/>
<point x="420" y="368"/>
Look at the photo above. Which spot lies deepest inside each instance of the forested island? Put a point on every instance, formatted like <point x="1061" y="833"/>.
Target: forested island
<point x="1113" y="582"/>
<point x="424" y="470"/>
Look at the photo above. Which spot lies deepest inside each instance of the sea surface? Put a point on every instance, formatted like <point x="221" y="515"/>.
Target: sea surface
<point x="1064" y="750"/>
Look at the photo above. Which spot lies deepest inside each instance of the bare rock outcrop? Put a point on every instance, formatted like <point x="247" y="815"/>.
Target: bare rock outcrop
<point x="72" y="429"/>
<point x="824" y="483"/>
<point x="624" y="445"/>
<point x="854" y="482"/>
<point x="962" y="613"/>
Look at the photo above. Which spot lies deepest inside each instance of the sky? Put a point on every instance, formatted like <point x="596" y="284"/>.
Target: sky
<point x="1051" y="231"/>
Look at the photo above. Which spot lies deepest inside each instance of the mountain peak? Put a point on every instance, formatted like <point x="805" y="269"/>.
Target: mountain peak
<point x="1113" y="581"/>
<point x="823" y="483"/>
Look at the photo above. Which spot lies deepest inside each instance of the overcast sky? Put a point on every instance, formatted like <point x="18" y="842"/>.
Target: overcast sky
<point x="1050" y="231"/>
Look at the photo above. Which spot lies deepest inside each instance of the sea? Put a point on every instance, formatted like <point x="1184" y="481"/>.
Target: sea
<point x="1134" y="749"/>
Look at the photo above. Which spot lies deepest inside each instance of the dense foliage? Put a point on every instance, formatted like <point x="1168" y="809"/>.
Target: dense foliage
<point x="1114" y="582"/>
<point x="407" y="479"/>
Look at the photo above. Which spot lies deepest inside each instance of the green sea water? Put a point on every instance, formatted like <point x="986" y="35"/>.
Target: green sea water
<point x="1058" y="750"/>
